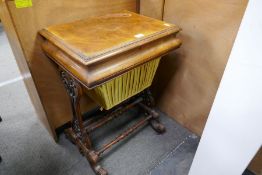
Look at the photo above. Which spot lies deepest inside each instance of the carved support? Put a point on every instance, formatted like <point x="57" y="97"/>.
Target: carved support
<point x="79" y="132"/>
<point x="75" y="92"/>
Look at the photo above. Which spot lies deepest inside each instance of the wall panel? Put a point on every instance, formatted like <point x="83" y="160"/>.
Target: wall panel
<point x="187" y="80"/>
<point x="152" y="8"/>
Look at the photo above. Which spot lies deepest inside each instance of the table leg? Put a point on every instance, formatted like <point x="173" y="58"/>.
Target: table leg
<point x="77" y="133"/>
<point x="149" y="102"/>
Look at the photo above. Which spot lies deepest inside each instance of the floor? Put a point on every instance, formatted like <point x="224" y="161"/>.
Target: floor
<point x="27" y="148"/>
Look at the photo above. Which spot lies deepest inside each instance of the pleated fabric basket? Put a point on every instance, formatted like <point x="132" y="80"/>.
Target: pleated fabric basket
<point x="125" y="86"/>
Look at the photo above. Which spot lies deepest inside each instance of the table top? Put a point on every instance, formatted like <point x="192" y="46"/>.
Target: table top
<point x="97" y="36"/>
<point x="99" y="48"/>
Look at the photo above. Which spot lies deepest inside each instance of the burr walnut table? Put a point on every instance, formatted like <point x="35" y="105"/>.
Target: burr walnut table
<point x="113" y="59"/>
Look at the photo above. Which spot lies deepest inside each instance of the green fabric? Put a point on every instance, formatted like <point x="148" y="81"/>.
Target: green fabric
<point x="125" y="86"/>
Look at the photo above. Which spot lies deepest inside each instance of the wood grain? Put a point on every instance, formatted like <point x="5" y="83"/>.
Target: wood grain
<point x="23" y="67"/>
<point x="88" y="52"/>
<point x="93" y="39"/>
<point x="26" y="22"/>
<point x="152" y="8"/>
<point x="256" y="164"/>
<point x="188" y="79"/>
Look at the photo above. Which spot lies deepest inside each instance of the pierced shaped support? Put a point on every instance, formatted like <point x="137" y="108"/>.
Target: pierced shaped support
<point x="79" y="132"/>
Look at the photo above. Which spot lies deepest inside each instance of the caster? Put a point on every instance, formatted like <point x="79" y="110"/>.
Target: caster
<point x="100" y="171"/>
<point x="158" y="127"/>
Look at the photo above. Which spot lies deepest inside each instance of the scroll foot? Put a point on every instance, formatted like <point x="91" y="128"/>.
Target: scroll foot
<point x="157" y="126"/>
<point x="100" y="171"/>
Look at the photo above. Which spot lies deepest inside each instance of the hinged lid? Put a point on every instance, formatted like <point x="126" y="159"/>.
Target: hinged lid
<point x="98" y="49"/>
<point x="97" y="38"/>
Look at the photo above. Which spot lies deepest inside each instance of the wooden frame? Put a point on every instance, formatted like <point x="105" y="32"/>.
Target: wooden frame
<point x="80" y="130"/>
<point x="115" y="53"/>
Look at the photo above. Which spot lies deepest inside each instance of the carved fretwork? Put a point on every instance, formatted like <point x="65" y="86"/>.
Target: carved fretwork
<point x="75" y="92"/>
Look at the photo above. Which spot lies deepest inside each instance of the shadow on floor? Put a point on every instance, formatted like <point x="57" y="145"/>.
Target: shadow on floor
<point x="145" y="152"/>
